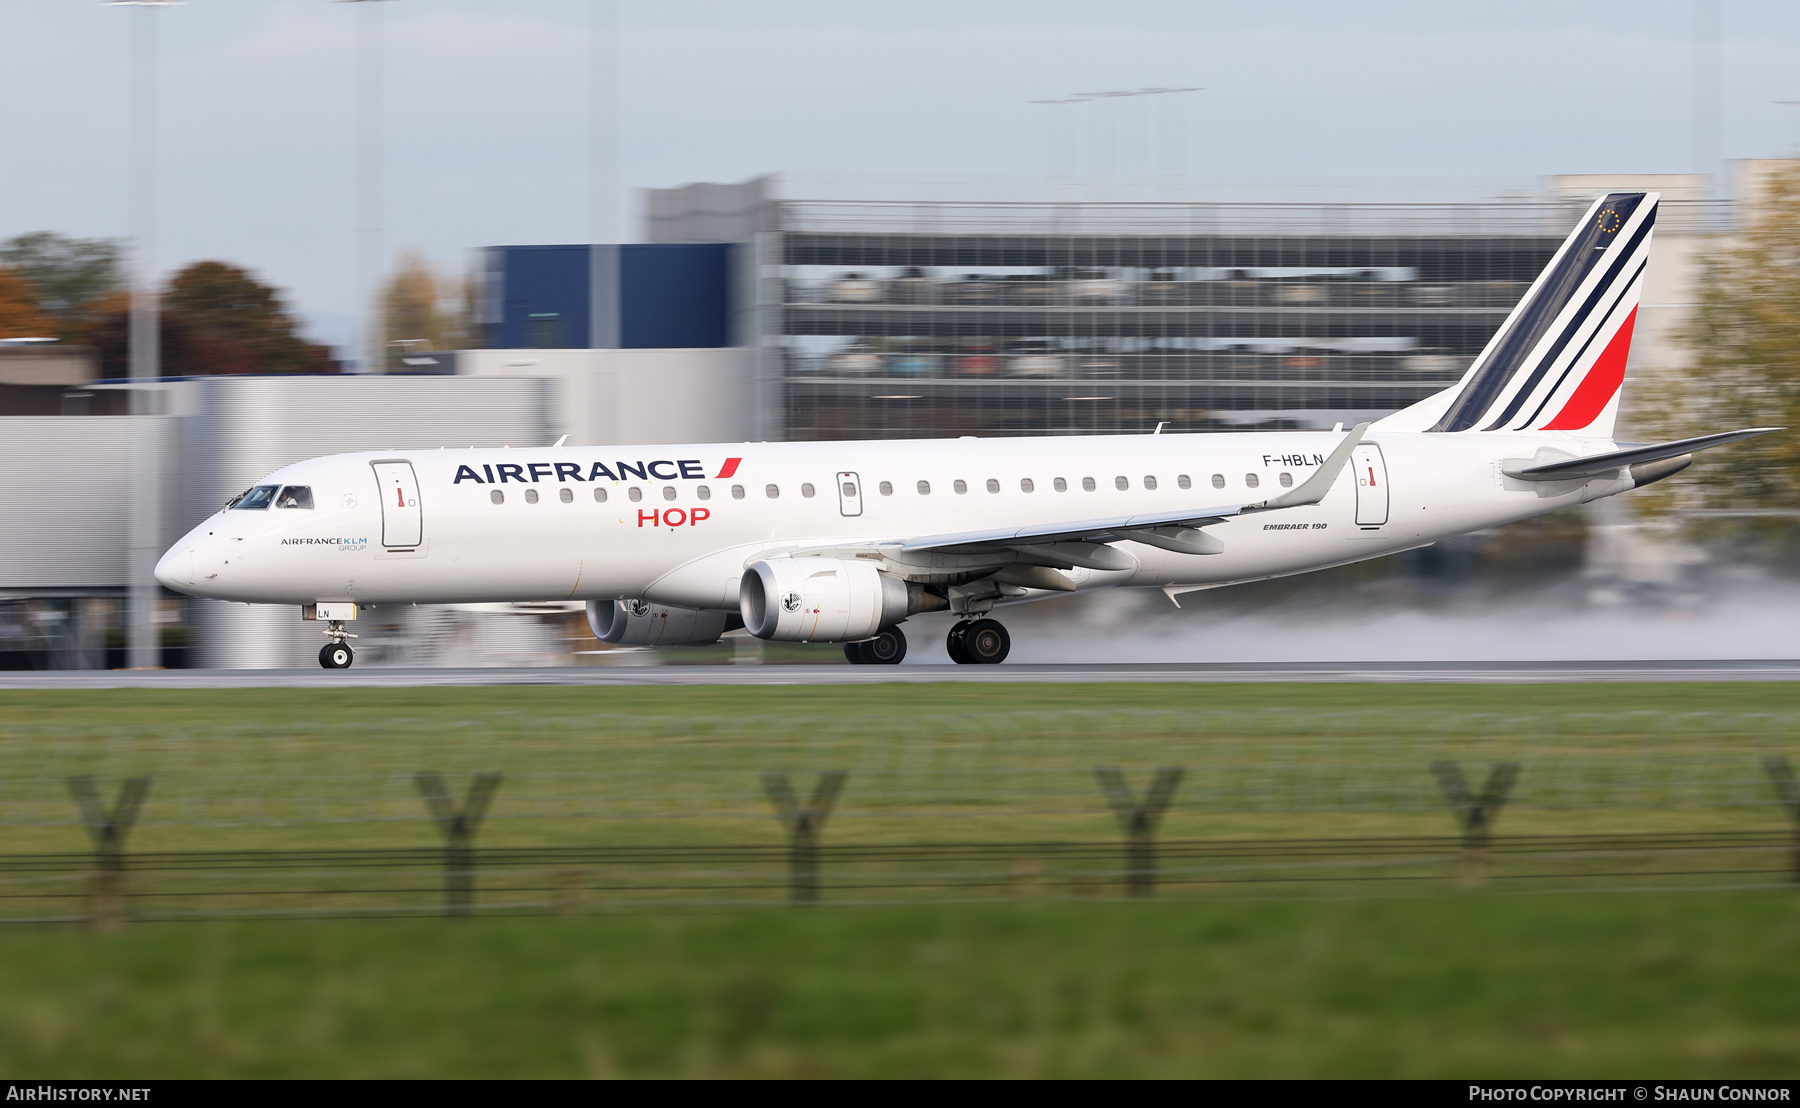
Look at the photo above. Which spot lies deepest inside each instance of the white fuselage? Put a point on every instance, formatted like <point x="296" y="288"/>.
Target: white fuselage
<point x="677" y="525"/>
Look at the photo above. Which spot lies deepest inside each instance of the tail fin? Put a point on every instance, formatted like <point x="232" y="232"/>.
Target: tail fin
<point x="1557" y="362"/>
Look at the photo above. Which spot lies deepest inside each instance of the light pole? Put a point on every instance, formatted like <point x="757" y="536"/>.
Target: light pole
<point x="1050" y="134"/>
<point x="1118" y="146"/>
<point x="143" y="651"/>
<point x="603" y="176"/>
<point x="368" y="181"/>
<point x="1125" y="94"/>
<point x="603" y="28"/>
<point x="1706" y="93"/>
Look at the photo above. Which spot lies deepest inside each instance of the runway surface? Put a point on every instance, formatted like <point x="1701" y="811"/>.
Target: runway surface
<point x="1199" y="672"/>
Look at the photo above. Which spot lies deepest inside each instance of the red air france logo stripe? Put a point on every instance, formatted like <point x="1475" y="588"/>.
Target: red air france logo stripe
<point x="728" y="469"/>
<point x="1598" y="387"/>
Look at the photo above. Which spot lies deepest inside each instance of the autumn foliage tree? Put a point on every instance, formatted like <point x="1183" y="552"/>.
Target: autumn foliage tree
<point x="20" y="315"/>
<point x="219" y="319"/>
<point x="424" y="310"/>
<point x="1745" y="339"/>
<point x="78" y="283"/>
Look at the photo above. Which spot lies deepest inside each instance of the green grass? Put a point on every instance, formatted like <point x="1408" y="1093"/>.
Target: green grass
<point x="272" y="768"/>
<point x="1704" y="985"/>
<point x="1447" y="982"/>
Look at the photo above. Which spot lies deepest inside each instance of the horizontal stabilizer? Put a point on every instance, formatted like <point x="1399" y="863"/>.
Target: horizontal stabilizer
<point x="1601" y="464"/>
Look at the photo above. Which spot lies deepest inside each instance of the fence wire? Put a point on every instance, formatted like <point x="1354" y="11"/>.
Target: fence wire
<point x="633" y="768"/>
<point x="610" y="811"/>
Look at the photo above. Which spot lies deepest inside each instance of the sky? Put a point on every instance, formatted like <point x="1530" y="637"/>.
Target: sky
<point x="487" y="106"/>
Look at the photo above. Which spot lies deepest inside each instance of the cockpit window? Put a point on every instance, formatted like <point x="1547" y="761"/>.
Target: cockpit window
<point x="295" y="496"/>
<point x="256" y="499"/>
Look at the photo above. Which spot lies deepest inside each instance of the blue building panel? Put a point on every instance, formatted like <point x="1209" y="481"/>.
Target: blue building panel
<point x="654" y="295"/>
<point x="674" y="295"/>
<point x="543" y="297"/>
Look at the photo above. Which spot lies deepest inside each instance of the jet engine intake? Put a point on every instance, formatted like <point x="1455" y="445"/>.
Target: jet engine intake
<point x="640" y="623"/>
<point x="824" y="599"/>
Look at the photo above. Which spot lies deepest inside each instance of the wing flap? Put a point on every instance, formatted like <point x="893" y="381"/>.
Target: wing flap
<point x="1120" y="528"/>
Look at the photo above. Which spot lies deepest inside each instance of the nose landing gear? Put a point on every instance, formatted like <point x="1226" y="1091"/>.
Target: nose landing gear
<point x="978" y="642"/>
<point x="337" y="654"/>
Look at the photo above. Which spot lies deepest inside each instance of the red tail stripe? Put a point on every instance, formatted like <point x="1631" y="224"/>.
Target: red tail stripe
<point x="1598" y="387"/>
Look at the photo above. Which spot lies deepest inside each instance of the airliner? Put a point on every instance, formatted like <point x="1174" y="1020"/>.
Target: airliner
<point x="842" y="542"/>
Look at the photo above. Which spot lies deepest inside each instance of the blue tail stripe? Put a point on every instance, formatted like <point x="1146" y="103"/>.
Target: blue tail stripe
<point x="1575" y="324"/>
<point x="1577" y="261"/>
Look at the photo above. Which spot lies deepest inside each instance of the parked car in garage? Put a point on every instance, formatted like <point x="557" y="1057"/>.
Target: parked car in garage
<point x="856" y="360"/>
<point x="1036" y="358"/>
<point x="854" y="288"/>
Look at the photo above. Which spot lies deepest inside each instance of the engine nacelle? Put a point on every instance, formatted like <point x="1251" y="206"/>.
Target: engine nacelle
<point x="640" y="623"/>
<point x="820" y="600"/>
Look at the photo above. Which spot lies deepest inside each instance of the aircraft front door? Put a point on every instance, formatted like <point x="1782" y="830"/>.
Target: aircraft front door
<point x="1371" y="485"/>
<point x="401" y="525"/>
<point x="849" y="494"/>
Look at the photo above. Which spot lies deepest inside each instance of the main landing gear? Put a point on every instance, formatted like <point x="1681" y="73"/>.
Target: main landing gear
<point x="885" y="649"/>
<point x="337" y="654"/>
<point x="978" y="642"/>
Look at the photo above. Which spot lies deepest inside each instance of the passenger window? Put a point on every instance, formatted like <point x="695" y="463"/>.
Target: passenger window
<point x="961" y="486"/>
<point x="599" y="496"/>
<point x="704" y="492"/>
<point x="1287" y="480"/>
<point x="737" y="492"/>
<point x="1060" y="485"/>
<point x="1250" y="480"/>
<point x="499" y="497"/>
<point x="887" y="488"/>
<point x="636" y="494"/>
<point x="849" y="488"/>
<point x="1149" y="483"/>
<point x="993" y="485"/>
<point x="806" y="489"/>
<point x="1087" y="484"/>
<point x="668" y="492"/>
<point x="924" y="488"/>
<point x="1218" y="480"/>
<point x="1025" y="485"/>
<point x="1184" y="482"/>
<point x="1121" y="483"/>
<point x="566" y="495"/>
<point x="295" y="496"/>
<point x="772" y="491"/>
<point x="531" y="496"/>
<point x="254" y="500"/>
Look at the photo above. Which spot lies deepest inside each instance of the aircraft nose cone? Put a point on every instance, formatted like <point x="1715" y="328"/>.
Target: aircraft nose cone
<point x="175" y="570"/>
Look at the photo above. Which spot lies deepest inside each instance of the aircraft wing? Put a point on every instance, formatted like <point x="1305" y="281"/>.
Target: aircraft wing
<point x="1090" y="530"/>
<point x="1600" y="464"/>
<point x="1156" y="528"/>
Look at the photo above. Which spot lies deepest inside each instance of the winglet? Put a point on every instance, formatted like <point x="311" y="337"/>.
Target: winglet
<point x="1313" y="489"/>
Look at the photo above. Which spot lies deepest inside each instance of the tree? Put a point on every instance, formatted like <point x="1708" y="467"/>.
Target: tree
<point x="219" y="319"/>
<point x="20" y="315"/>
<point x="423" y="309"/>
<point x="1745" y="338"/>
<point x="78" y="282"/>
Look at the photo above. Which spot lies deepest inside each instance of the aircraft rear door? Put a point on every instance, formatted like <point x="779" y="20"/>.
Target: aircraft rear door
<point x="849" y="494"/>
<point x="1371" y="485"/>
<point x="401" y="525"/>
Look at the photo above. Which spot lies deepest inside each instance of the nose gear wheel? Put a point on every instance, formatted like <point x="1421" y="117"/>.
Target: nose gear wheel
<point x="336" y="655"/>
